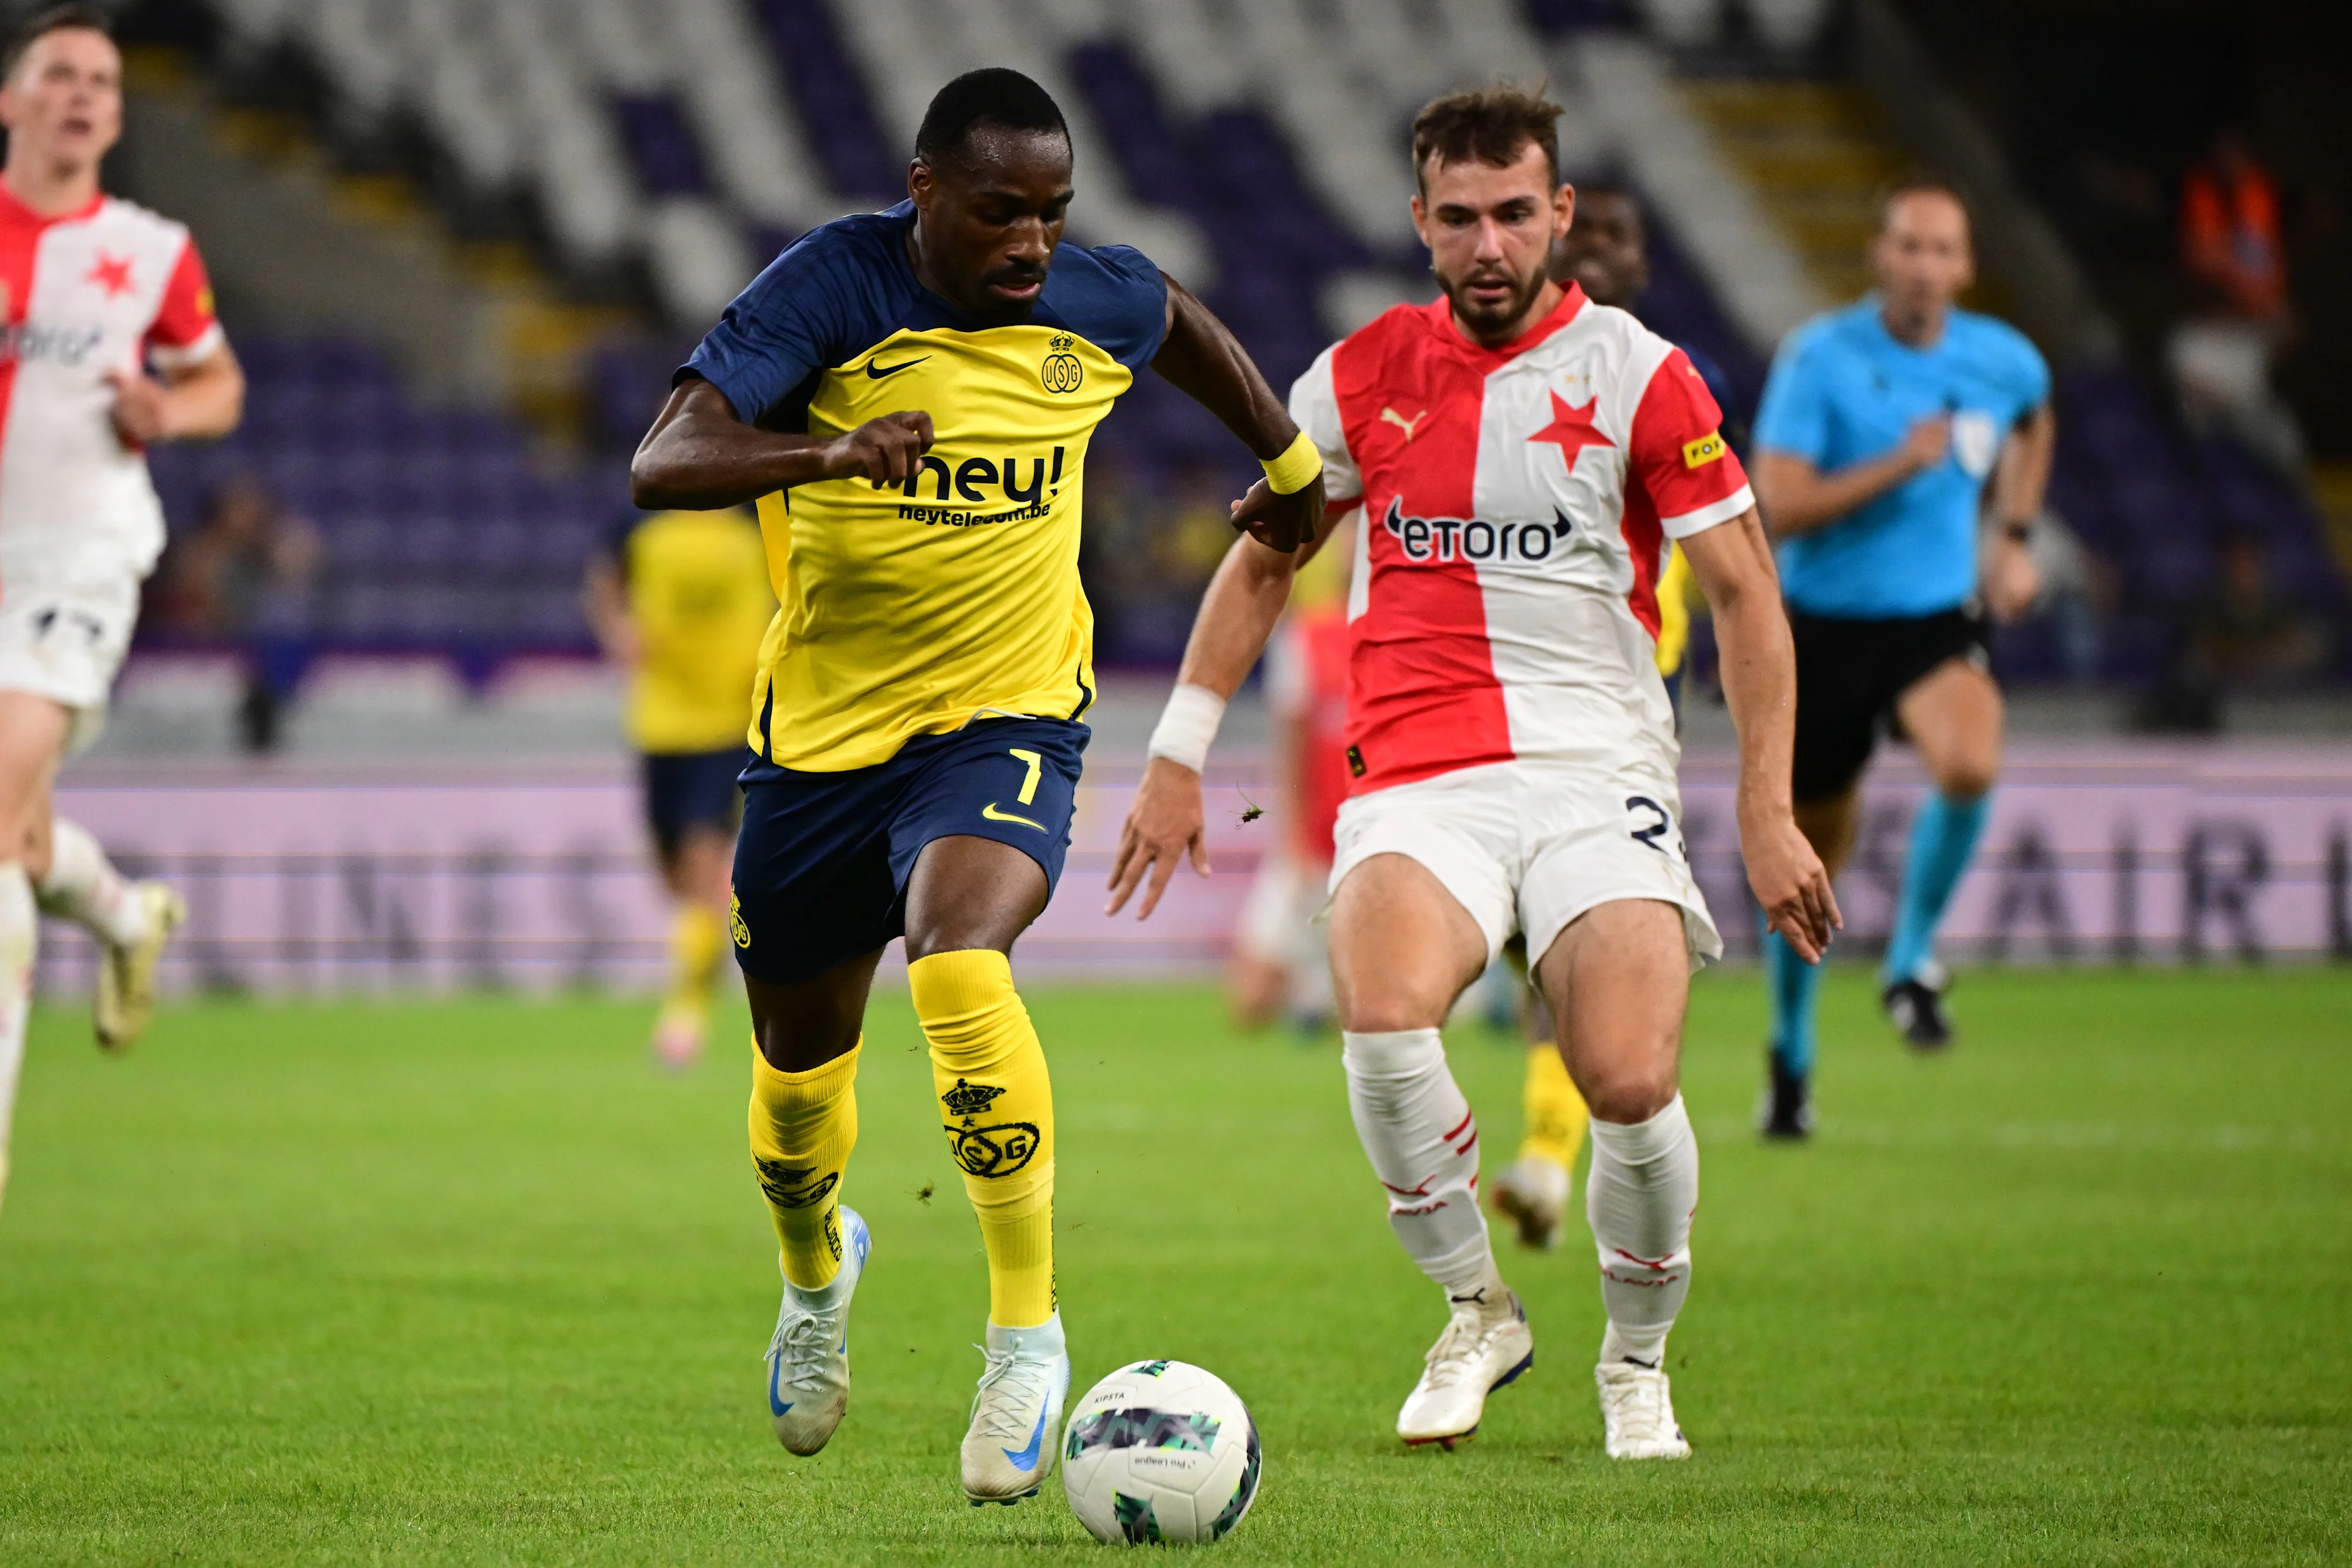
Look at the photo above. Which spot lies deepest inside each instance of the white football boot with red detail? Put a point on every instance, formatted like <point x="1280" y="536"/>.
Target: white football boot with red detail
<point x="1485" y="1345"/>
<point x="1637" y="1412"/>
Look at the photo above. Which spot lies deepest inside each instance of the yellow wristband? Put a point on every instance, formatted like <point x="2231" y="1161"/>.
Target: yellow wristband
<point x="1295" y="469"/>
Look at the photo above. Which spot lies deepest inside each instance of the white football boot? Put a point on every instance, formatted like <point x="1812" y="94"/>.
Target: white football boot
<point x="125" y="1004"/>
<point x="808" y="1361"/>
<point x="1533" y="1194"/>
<point x="1638" y="1411"/>
<point x="1485" y="1345"/>
<point x="1016" y="1417"/>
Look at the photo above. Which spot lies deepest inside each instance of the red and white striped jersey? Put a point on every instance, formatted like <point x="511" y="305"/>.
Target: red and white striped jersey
<point x="1518" y="503"/>
<point x="84" y="294"/>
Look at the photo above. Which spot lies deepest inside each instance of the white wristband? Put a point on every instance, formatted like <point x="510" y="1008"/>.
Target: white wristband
<point x="1187" y="725"/>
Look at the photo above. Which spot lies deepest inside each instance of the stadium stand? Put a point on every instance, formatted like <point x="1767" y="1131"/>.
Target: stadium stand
<point x="440" y="529"/>
<point x="678" y="142"/>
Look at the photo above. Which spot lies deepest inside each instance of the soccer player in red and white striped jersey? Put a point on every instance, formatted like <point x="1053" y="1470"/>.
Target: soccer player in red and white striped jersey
<point x="95" y="293"/>
<point x="1522" y="455"/>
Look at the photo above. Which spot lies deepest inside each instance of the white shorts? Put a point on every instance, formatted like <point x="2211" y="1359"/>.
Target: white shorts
<point x="1529" y="847"/>
<point x="67" y="643"/>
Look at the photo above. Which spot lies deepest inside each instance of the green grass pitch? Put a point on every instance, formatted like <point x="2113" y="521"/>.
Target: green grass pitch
<point x="470" y="1282"/>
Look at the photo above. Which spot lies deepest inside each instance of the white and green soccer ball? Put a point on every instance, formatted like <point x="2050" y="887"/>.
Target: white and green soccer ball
<point x="1159" y="1450"/>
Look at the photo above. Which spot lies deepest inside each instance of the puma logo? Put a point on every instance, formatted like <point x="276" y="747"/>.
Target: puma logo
<point x="1391" y="417"/>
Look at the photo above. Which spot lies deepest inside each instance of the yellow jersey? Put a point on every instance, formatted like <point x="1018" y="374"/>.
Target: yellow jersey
<point x="910" y="609"/>
<point x="697" y="587"/>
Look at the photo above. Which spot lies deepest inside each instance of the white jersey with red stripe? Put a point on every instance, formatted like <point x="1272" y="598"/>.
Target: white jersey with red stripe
<point x="91" y="292"/>
<point x="1518" y="505"/>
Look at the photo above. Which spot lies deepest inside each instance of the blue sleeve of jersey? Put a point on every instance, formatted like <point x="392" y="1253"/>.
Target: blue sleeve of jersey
<point x="1113" y="298"/>
<point x="1793" y="415"/>
<point x="788" y="323"/>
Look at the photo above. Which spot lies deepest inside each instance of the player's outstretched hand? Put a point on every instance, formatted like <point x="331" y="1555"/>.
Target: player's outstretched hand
<point x="884" y="450"/>
<point x="1793" y="886"/>
<point x="139" y="408"/>
<point x="1162" y="826"/>
<point x="1279" y="521"/>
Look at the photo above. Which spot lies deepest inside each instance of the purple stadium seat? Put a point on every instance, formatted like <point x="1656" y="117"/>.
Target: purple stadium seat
<point x="829" y="91"/>
<point x="662" y="149"/>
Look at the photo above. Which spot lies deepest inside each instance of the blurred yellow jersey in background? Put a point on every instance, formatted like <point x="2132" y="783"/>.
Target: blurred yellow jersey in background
<point x="697" y="586"/>
<point x="1673" y="612"/>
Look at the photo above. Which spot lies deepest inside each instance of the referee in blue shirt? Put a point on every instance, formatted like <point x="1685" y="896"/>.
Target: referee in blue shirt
<point x="1885" y="429"/>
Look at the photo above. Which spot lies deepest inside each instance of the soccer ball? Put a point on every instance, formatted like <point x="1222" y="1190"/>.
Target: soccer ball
<point x="1159" y="1451"/>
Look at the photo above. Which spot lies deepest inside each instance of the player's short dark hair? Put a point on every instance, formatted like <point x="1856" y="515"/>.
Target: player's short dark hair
<point x="47" y="20"/>
<point x="1608" y="185"/>
<point x="1490" y="125"/>
<point x="992" y="95"/>
<point x="1919" y="183"/>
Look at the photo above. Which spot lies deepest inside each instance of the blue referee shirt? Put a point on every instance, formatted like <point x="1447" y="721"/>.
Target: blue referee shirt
<point x="1842" y="390"/>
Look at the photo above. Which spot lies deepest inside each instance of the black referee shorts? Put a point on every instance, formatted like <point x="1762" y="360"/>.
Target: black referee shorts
<point x="1850" y="674"/>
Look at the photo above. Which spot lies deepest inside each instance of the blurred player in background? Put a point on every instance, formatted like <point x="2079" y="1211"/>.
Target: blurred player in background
<point x="680" y="600"/>
<point x="1280" y="959"/>
<point x="908" y="396"/>
<point x="1882" y="430"/>
<point x="1607" y="253"/>
<point x="96" y="292"/>
<point x="1522" y="455"/>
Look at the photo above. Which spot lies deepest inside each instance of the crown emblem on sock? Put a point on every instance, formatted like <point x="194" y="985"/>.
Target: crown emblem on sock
<point x="970" y="1098"/>
<point x="789" y="1186"/>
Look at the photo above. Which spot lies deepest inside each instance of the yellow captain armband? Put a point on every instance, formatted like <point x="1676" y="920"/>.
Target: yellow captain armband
<point x="1295" y="469"/>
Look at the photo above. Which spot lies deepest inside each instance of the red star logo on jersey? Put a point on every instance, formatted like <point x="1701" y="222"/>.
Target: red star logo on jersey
<point x="111" y="273"/>
<point x="1571" y="428"/>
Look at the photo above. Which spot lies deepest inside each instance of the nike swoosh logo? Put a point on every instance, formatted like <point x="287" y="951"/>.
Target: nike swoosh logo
<point x="878" y="370"/>
<point x="777" y="1403"/>
<point x="1026" y="1460"/>
<point x="990" y="812"/>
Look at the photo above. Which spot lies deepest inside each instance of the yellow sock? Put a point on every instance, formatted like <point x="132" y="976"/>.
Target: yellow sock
<point x="804" y="1125"/>
<point x="1555" y="1112"/>
<point x="998" y="1107"/>
<point x="697" y="944"/>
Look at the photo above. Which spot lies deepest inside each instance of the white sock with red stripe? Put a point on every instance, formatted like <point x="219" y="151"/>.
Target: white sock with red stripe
<point x="1640" y="1198"/>
<point x="19" y="930"/>
<point x="1424" y="1143"/>
<point x="84" y="886"/>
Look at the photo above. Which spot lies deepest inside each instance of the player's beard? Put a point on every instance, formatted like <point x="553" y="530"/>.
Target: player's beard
<point x="1485" y="320"/>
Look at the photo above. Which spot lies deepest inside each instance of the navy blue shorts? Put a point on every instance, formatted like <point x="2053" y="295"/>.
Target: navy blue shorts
<point x="691" y="789"/>
<point x="822" y="865"/>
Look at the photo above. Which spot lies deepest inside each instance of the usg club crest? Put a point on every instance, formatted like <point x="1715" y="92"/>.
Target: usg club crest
<point x="1062" y="372"/>
<point x="997" y="1150"/>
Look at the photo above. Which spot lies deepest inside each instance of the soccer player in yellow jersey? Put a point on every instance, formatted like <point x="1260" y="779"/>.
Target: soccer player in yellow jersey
<point x="908" y="396"/>
<point x="680" y="600"/>
<point x="1606" y="253"/>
